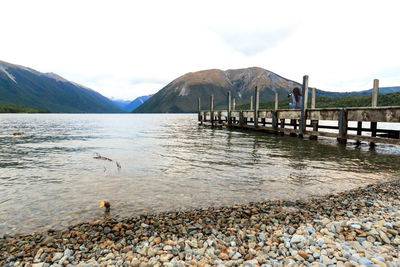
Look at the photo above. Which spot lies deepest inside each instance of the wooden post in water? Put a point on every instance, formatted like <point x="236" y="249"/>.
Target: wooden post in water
<point x="251" y="102"/>
<point x="359" y="127"/>
<point x="241" y="119"/>
<point x="229" y="109"/>
<point x="212" y="109"/>
<point x="234" y="104"/>
<point x="303" y="118"/>
<point x="282" y="127"/>
<point x="220" y="117"/>
<point x="275" y="113"/>
<point x="256" y="106"/>
<point x="198" y="109"/>
<point x="374" y="104"/>
<point x="314" y="123"/>
<point x="275" y="120"/>
<point x="342" y="126"/>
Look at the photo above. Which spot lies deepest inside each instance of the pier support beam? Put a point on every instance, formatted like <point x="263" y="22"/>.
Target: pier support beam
<point x="229" y="109"/>
<point x="241" y="119"/>
<point x="282" y="127"/>
<point x="314" y="91"/>
<point x="375" y="92"/>
<point x="256" y="106"/>
<point x="342" y="126"/>
<point x="374" y="104"/>
<point x="276" y="100"/>
<point x="212" y="110"/>
<point x="275" y="121"/>
<point x="314" y="123"/>
<point x="303" y="118"/>
<point x="198" y="110"/>
<point x="234" y="104"/>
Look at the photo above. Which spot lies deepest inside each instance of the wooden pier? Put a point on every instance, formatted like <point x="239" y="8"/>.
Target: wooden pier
<point x="358" y="124"/>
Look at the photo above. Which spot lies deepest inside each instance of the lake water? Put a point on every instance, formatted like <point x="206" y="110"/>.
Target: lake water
<point x="49" y="177"/>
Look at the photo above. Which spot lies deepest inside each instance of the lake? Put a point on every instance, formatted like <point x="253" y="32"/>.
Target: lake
<point x="49" y="177"/>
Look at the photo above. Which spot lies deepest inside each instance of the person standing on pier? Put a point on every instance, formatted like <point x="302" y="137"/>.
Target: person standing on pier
<point x="297" y="98"/>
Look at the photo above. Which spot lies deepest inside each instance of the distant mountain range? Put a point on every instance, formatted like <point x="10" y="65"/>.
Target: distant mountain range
<point x="182" y="93"/>
<point x="27" y="87"/>
<point x="128" y="105"/>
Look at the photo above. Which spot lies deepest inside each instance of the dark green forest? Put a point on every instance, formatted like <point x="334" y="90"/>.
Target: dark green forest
<point x="392" y="99"/>
<point x="8" y="108"/>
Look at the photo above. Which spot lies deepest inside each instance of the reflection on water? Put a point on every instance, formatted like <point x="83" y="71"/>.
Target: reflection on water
<point x="49" y="178"/>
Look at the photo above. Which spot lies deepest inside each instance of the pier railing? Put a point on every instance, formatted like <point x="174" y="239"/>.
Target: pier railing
<point x="357" y="123"/>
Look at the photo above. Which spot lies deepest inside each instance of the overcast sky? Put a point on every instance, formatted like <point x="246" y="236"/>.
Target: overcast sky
<point x="125" y="49"/>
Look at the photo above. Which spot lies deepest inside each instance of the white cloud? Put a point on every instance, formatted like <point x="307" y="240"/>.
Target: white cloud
<point x="126" y="49"/>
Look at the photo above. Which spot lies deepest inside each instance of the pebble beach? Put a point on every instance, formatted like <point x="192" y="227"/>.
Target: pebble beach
<point x="359" y="227"/>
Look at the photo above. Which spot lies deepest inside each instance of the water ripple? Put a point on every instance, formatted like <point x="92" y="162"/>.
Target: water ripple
<point x="49" y="178"/>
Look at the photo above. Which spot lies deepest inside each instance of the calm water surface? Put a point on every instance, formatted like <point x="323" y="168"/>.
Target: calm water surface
<point x="49" y="178"/>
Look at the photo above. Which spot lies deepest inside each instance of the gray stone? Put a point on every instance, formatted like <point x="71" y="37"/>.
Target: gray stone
<point x="320" y="242"/>
<point x="68" y="252"/>
<point x="364" y="261"/>
<point x="355" y="226"/>
<point x="297" y="239"/>
<point x="310" y="229"/>
<point x="57" y="256"/>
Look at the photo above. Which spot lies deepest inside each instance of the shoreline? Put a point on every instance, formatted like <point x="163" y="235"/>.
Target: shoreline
<point x="357" y="227"/>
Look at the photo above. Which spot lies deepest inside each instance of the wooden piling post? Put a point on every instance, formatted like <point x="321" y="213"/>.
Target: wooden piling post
<point x="359" y="127"/>
<point x="373" y="128"/>
<point x="314" y="123"/>
<point x="212" y="110"/>
<point x="219" y="117"/>
<point x="198" y="110"/>
<point x="374" y="104"/>
<point x="375" y="92"/>
<point x="241" y="119"/>
<point x="342" y="126"/>
<point x="251" y="102"/>
<point x="314" y="91"/>
<point x="256" y="106"/>
<point x="303" y="118"/>
<point x="276" y="100"/>
<point x="275" y="120"/>
<point x="229" y="109"/>
<point x="234" y="104"/>
<point x="282" y="127"/>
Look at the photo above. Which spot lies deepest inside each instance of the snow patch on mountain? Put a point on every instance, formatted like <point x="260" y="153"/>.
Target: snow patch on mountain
<point x="3" y="68"/>
<point x="184" y="91"/>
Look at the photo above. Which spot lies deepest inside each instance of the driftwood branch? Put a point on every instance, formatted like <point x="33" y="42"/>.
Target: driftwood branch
<point x="98" y="156"/>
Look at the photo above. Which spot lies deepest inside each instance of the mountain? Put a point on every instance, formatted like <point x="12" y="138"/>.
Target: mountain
<point x="181" y="94"/>
<point x="137" y="102"/>
<point x="27" y="87"/>
<point x="130" y="105"/>
<point x="121" y="103"/>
